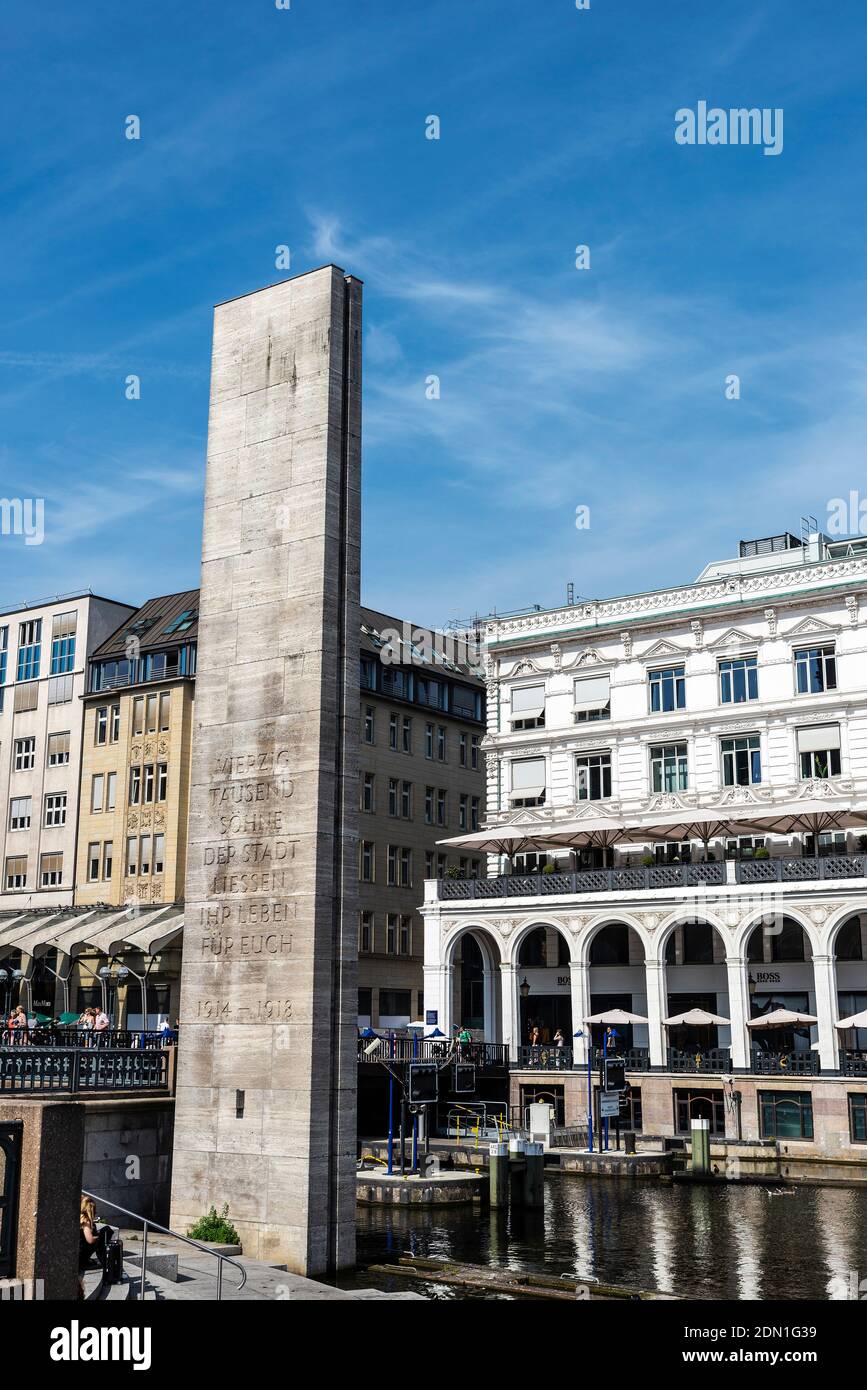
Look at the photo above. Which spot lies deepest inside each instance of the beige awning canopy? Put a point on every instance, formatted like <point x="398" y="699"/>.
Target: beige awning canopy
<point x="696" y="1018"/>
<point x="782" y="1018"/>
<point x="813" y="817"/>
<point x="509" y="839"/>
<point x="108" y="931"/>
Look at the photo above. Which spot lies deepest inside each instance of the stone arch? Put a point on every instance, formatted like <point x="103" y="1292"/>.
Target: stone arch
<point x="532" y="925"/>
<point x="619" y="919"/>
<point x="746" y="928"/>
<point x="680" y="918"/>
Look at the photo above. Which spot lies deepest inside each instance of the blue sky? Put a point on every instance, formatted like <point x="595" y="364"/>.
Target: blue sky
<point x="602" y="388"/>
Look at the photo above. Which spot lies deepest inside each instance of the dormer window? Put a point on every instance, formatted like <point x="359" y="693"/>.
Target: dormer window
<point x="528" y="706"/>
<point x="592" y="698"/>
<point x="528" y="782"/>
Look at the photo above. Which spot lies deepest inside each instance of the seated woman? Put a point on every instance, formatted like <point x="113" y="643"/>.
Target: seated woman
<point x="91" y="1242"/>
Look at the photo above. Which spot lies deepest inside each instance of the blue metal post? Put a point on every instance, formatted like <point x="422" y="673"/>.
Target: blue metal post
<point x="590" y="1091"/>
<point x="602" y="1092"/>
<point x="390" y="1108"/>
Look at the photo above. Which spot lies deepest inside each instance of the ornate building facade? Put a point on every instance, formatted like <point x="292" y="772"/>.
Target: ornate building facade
<point x="677" y="781"/>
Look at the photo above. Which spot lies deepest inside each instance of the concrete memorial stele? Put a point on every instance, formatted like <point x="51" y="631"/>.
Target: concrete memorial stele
<point x="265" y="1116"/>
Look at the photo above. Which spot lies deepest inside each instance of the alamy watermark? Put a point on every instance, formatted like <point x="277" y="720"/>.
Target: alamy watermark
<point x="23" y="516"/>
<point x="738" y="126"/>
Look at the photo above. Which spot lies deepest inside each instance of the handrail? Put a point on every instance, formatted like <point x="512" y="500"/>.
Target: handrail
<point x="197" y="1245"/>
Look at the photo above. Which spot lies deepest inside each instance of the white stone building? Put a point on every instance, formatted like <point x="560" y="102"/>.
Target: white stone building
<point x="44" y="648"/>
<point x="689" y="770"/>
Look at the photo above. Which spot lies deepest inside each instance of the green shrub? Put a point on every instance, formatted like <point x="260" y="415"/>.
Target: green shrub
<point x="762" y="854"/>
<point x="215" y="1228"/>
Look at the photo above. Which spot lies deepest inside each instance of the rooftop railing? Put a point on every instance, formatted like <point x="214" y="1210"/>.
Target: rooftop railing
<point x="641" y="878"/>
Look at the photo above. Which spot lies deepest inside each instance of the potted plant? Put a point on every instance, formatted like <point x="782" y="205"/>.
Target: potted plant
<point x="762" y="854"/>
<point x="647" y="860"/>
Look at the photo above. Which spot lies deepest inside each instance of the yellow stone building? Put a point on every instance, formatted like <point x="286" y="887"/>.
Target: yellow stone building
<point x="135" y="766"/>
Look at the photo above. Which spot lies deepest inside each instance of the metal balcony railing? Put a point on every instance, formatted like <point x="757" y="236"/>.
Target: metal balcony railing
<point x="547" y="1057"/>
<point x="715" y="1059"/>
<point x="62" y="1038"/>
<point x="640" y="878"/>
<point x="46" y="1070"/>
<point x="785" y="1063"/>
<point x="791" y="869"/>
<point x="583" y="881"/>
<point x="853" y="1063"/>
<point x="483" y="1055"/>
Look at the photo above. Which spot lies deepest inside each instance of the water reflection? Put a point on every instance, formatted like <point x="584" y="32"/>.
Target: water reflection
<point x="695" y="1241"/>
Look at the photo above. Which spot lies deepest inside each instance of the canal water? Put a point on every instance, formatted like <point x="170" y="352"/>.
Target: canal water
<point x="731" y="1242"/>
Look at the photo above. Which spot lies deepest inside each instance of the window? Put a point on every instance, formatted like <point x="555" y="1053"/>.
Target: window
<point x="429" y="692"/>
<point x="462" y="749"/>
<point x="162" y="781"/>
<point x="181" y="623"/>
<point x="369" y="734"/>
<point x="786" y="1114"/>
<point x="16" y="871"/>
<point x="738" y="680"/>
<point x="159" y="853"/>
<point x="475" y="868"/>
<point x="441" y="806"/>
<point x="151" y="714"/>
<point x="406" y="734"/>
<point x="742" y="761"/>
<point x="110" y="791"/>
<point x="405" y="940"/>
<point x="144" y="862"/>
<point x="131" y="855"/>
<point x="97" y="788"/>
<point x="474" y="750"/>
<point x="392" y="731"/>
<point x="365" y="931"/>
<point x="429" y="863"/>
<point x="391" y="933"/>
<point x="148" y="782"/>
<point x="100" y="730"/>
<point x="368" y="783"/>
<point x="442" y="865"/>
<point x="60" y="690"/>
<point x="592" y="698"/>
<point x="428" y="740"/>
<point x="368" y="673"/>
<point x="394" y="1005"/>
<point x="819" y="750"/>
<point x="528" y="782"/>
<point x="406" y="800"/>
<point x="19" y="813"/>
<point x="51" y="870"/>
<point x="55" y="809"/>
<point x="830" y="842"/>
<point x="138" y="715"/>
<point x="58" y="749"/>
<point x="63" y="643"/>
<point x="4" y="653"/>
<point x="744" y="847"/>
<point x="134" y="786"/>
<point x="26" y="697"/>
<point x="391" y="869"/>
<point x="29" y="649"/>
<point x="668" y="768"/>
<point x="441" y="743"/>
<point x="107" y="860"/>
<point x="858" y="1118"/>
<point x="463" y="811"/>
<point x="667" y="689"/>
<point x="474" y="813"/>
<point x="593" y="776"/>
<point x="815" y="670"/>
<point x="465" y="702"/>
<point x="696" y="1105"/>
<point x="528" y="707"/>
<point x="392" y="796"/>
<point x="367" y="853"/>
<point x="428" y="805"/>
<point x="165" y="710"/>
<point x="25" y="754"/>
<point x="93" y="861"/>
